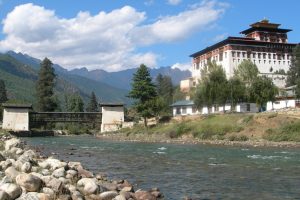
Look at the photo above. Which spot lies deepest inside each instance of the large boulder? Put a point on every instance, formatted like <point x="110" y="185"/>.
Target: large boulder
<point x="30" y="182"/>
<point x="13" y="190"/>
<point x="26" y="167"/>
<point x="49" y="192"/>
<point x="4" y="196"/>
<point x="55" y="184"/>
<point x="119" y="197"/>
<point x="60" y="172"/>
<point x="52" y="164"/>
<point x="144" y="195"/>
<point x="12" y="173"/>
<point x="14" y="142"/>
<point x="109" y="195"/>
<point x="87" y="186"/>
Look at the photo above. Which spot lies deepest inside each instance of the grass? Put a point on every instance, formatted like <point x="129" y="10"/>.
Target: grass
<point x="288" y="132"/>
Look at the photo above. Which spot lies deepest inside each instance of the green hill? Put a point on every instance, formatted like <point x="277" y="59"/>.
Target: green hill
<point x="20" y="74"/>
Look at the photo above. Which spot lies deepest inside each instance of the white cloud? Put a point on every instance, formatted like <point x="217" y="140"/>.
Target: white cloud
<point x="182" y="66"/>
<point x="178" y="27"/>
<point x="107" y="40"/>
<point x="220" y="37"/>
<point x="174" y="2"/>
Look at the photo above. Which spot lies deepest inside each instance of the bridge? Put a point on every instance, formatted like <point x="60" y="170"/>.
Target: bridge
<point x="23" y="118"/>
<point x="37" y="119"/>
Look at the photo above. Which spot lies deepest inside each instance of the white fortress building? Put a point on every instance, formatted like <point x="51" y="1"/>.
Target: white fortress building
<point x="264" y="43"/>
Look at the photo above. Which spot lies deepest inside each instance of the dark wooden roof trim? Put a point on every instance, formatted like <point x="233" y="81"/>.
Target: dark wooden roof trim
<point x="7" y="105"/>
<point x="277" y="30"/>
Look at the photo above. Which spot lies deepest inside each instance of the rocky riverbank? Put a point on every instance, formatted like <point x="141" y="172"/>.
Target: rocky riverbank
<point x="26" y="175"/>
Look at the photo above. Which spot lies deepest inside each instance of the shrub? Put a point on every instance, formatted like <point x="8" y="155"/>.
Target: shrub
<point x="289" y="132"/>
<point x="238" y="138"/>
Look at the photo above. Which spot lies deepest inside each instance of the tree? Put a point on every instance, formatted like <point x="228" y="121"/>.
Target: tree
<point x="263" y="90"/>
<point x="143" y="91"/>
<point x="165" y="88"/>
<point x="3" y="96"/>
<point x="93" y="104"/>
<point x="237" y="90"/>
<point x="178" y="95"/>
<point x="75" y="103"/>
<point x="213" y="87"/>
<point x="293" y="73"/>
<point x="45" y="87"/>
<point x="247" y="72"/>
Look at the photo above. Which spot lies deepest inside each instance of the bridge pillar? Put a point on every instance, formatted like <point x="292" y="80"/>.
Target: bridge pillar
<point x="112" y="117"/>
<point x="16" y="117"/>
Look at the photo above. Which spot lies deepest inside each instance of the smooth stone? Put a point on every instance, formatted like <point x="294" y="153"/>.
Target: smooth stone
<point x="45" y="172"/>
<point x="6" y="164"/>
<point x="52" y="164"/>
<point x="6" y="179"/>
<point x="30" y="154"/>
<point x="64" y="197"/>
<point x="59" y="172"/>
<point x="43" y="196"/>
<point x="13" y="190"/>
<point x="26" y="167"/>
<point x="127" y="189"/>
<point x="30" y="182"/>
<point x="109" y="186"/>
<point x="12" y="173"/>
<point x="19" y="151"/>
<point x="87" y="186"/>
<point x="14" y="142"/>
<point x="109" y="195"/>
<point x="142" y="195"/>
<point x="119" y="197"/>
<point x="4" y="195"/>
<point x="55" y="184"/>
<point x="49" y="191"/>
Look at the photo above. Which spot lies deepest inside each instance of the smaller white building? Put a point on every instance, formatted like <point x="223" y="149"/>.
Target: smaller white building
<point x="187" y="107"/>
<point x="112" y="117"/>
<point x="16" y="117"/>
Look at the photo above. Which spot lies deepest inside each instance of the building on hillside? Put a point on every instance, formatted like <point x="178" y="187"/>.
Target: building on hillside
<point x="264" y="43"/>
<point x="187" y="107"/>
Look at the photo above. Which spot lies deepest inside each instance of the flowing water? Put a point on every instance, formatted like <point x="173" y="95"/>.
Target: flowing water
<point x="197" y="171"/>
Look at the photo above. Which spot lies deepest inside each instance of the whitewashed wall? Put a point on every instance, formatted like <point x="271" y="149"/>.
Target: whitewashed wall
<point x="16" y="119"/>
<point x="291" y="103"/>
<point x="112" y="118"/>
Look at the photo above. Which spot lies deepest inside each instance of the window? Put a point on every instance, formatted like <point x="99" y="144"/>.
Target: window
<point x="274" y="56"/>
<point x="178" y="111"/>
<point x="233" y="54"/>
<point x="248" y="107"/>
<point x="225" y="54"/>
<point x="258" y="55"/>
<point x="269" y="55"/>
<point x="183" y="110"/>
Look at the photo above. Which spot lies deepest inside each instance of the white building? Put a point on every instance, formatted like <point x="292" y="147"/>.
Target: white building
<point x="16" y="117"/>
<point x="264" y="44"/>
<point x="112" y="117"/>
<point x="187" y="107"/>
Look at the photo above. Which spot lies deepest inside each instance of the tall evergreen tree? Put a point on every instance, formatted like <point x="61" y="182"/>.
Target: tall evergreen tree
<point x="294" y="70"/>
<point x="93" y="104"/>
<point x="45" y="87"/>
<point x="247" y="72"/>
<point x="165" y="92"/>
<point x="143" y="91"/>
<point x="237" y="89"/>
<point x="3" y="96"/>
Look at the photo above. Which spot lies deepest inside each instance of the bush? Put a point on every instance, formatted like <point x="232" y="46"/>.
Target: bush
<point x="289" y="132"/>
<point x="180" y="129"/>
<point x="238" y="138"/>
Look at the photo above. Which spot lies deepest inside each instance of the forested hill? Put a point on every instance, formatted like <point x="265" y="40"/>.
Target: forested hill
<point x="20" y="72"/>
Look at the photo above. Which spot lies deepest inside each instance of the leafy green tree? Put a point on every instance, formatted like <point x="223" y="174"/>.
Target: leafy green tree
<point x="165" y="87"/>
<point x="247" y="72"/>
<point x="178" y="95"/>
<point x="143" y="91"/>
<point x="93" y="104"/>
<point x="75" y="103"/>
<point x="294" y="70"/>
<point x="263" y="90"/>
<point x="3" y="96"/>
<point x="213" y="88"/>
<point x="45" y="87"/>
<point x="237" y="89"/>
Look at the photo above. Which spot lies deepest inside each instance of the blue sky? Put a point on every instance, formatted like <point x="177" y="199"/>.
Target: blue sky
<point x="115" y="35"/>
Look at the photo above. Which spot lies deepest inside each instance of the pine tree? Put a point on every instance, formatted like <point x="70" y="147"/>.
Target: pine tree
<point x="45" y="87"/>
<point x="93" y="104"/>
<point x="143" y="91"/>
<point x="3" y="96"/>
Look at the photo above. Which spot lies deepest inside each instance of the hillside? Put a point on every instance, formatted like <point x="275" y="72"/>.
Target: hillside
<point x="66" y="82"/>
<point x="123" y="78"/>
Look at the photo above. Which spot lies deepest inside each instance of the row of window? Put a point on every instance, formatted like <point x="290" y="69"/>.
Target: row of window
<point x="264" y="61"/>
<point x="239" y="54"/>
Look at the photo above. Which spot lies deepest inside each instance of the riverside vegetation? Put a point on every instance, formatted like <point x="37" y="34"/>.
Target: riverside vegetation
<point x="275" y="127"/>
<point x="26" y="175"/>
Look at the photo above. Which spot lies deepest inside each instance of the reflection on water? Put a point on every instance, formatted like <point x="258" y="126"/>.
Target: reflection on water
<point x="198" y="171"/>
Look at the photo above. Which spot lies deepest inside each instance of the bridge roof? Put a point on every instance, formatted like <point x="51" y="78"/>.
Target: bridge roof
<point x="8" y="105"/>
<point x="111" y="104"/>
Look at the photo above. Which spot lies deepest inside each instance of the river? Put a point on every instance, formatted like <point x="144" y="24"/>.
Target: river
<point x="197" y="171"/>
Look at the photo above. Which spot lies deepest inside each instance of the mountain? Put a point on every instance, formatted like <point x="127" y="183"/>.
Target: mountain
<point x="122" y="79"/>
<point x="20" y="72"/>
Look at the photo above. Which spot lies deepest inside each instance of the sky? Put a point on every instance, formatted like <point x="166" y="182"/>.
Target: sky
<point x="114" y="35"/>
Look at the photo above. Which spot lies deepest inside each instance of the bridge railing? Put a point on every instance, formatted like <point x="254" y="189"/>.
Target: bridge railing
<point x="41" y="118"/>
